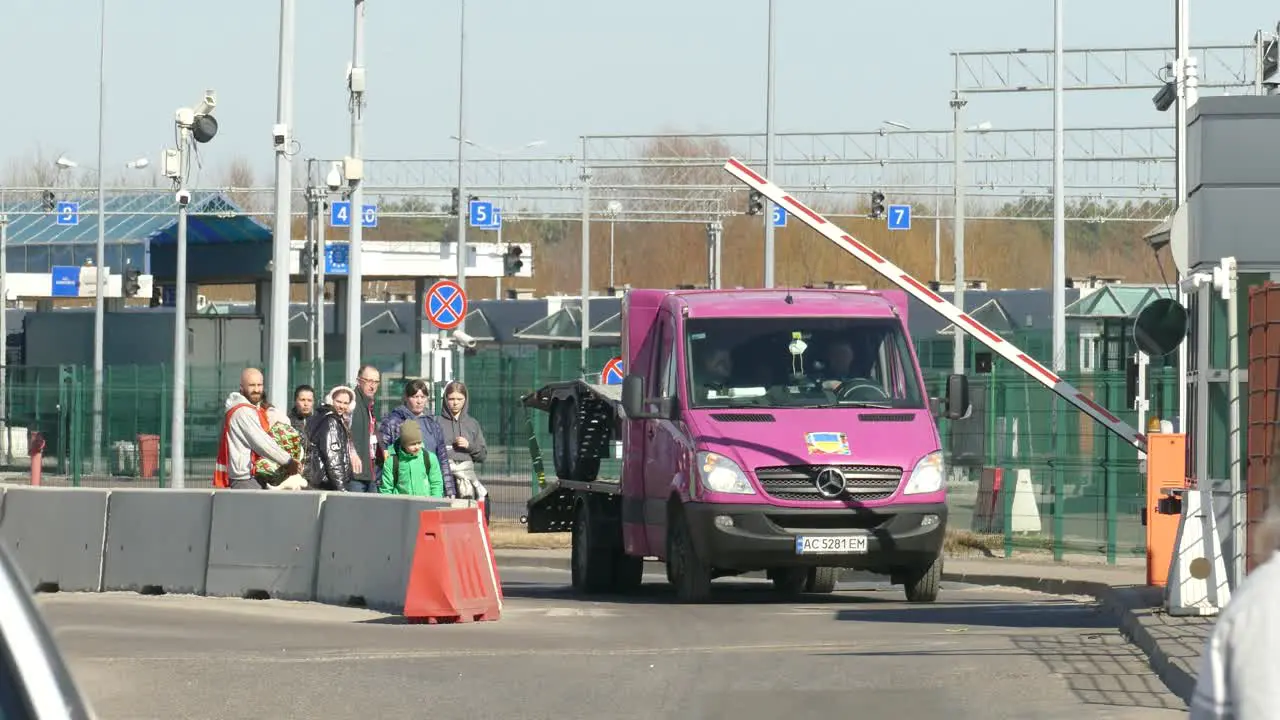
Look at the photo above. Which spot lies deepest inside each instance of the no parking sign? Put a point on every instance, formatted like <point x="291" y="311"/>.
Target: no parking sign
<point x="446" y="305"/>
<point x="613" y="372"/>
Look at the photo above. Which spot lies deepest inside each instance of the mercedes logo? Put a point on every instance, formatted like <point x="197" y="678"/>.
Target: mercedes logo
<point x="830" y="483"/>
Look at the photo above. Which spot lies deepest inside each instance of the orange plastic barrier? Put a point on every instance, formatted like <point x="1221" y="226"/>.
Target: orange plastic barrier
<point x="1166" y="470"/>
<point x="454" y="576"/>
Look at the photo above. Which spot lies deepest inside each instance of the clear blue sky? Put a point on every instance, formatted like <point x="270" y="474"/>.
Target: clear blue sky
<point x="550" y="70"/>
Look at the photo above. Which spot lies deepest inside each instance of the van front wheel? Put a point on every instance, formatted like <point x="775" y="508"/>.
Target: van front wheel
<point x="922" y="584"/>
<point x="689" y="573"/>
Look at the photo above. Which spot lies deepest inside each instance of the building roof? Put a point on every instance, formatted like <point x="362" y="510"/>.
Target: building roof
<point x="131" y="218"/>
<point x="1023" y="310"/>
<point x="1117" y="301"/>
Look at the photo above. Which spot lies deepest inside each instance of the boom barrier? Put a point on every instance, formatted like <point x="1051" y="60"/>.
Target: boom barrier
<point x="932" y="300"/>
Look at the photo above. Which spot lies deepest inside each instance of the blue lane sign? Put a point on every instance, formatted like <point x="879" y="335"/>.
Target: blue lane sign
<point x="496" y="222"/>
<point x="65" y="280"/>
<point x="899" y="217"/>
<point x="369" y="216"/>
<point x="481" y="214"/>
<point x="340" y="214"/>
<point x="778" y="216"/>
<point x="335" y="258"/>
<point x="68" y="213"/>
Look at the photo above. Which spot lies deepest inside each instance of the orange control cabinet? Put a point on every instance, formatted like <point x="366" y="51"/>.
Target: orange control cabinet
<point x="1166" y="470"/>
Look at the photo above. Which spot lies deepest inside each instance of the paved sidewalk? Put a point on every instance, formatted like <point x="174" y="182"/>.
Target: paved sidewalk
<point x="1172" y="644"/>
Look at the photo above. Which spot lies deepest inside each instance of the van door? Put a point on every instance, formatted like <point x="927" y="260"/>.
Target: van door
<point x="664" y="441"/>
<point x="637" y="449"/>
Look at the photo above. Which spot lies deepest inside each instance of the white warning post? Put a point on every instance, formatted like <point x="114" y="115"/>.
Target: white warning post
<point x="921" y="292"/>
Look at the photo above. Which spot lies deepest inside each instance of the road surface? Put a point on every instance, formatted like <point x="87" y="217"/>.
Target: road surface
<point x="978" y="653"/>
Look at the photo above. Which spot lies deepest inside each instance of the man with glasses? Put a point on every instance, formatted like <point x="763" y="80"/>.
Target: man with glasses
<point x="364" y="436"/>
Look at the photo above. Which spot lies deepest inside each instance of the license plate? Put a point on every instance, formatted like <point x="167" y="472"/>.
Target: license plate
<point x="825" y="544"/>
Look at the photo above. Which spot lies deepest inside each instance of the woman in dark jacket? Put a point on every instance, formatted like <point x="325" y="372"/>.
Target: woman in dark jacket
<point x="329" y="464"/>
<point x="463" y="435"/>
<point x="414" y="409"/>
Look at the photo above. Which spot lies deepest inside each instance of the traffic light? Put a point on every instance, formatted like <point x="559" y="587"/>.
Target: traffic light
<point x="453" y="201"/>
<point x="877" y="204"/>
<point x="50" y="201"/>
<point x="755" y="203"/>
<point x="511" y="262"/>
<point x="132" y="282"/>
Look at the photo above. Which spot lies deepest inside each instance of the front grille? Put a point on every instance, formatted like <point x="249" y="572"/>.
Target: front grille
<point x="862" y="482"/>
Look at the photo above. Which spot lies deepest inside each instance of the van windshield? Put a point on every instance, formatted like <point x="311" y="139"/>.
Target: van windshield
<point x="800" y="362"/>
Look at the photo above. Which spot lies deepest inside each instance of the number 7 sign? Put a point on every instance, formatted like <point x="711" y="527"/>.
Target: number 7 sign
<point x="899" y="217"/>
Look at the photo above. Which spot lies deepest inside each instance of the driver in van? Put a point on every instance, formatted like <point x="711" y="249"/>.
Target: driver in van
<point x="839" y="364"/>
<point x="716" y="369"/>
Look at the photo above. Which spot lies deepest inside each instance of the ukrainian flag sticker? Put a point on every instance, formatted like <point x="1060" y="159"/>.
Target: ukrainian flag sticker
<point x="826" y="443"/>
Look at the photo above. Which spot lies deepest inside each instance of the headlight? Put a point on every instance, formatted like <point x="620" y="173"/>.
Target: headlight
<point x="722" y="475"/>
<point x="927" y="476"/>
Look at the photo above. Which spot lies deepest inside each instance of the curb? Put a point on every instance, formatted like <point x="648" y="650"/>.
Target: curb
<point x="1176" y="679"/>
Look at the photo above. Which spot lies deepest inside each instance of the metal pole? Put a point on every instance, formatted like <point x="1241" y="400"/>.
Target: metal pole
<point x="957" y="230"/>
<point x="99" y="293"/>
<point x="611" y="282"/>
<point x="937" y="238"/>
<point x="278" y="362"/>
<point x="309" y="265"/>
<point x="4" y="334"/>
<point x="320" y="243"/>
<point x="464" y="207"/>
<point x="768" y="154"/>
<point x="355" y="280"/>
<point x="1182" y="48"/>
<point x="1239" y="533"/>
<point x="1059" y="262"/>
<point x="177" y="415"/>
<point x="497" y="284"/>
<point x="586" y="258"/>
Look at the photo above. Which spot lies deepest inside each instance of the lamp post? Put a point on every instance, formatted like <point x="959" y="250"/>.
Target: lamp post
<point x="614" y="209"/>
<point x="768" y="152"/>
<point x="100" y="262"/>
<point x="463" y="207"/>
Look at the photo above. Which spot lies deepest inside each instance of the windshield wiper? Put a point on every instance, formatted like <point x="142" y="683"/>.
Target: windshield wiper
<point x="862" y="404"/>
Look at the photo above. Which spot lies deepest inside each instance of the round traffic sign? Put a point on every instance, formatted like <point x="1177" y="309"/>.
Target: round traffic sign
<point x="446" y="304"/>
<point x="613" y="372"/>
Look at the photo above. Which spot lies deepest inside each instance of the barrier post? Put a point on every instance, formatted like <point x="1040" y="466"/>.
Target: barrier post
<point x="35" y="448"/>
<point x="1166" y="470"/>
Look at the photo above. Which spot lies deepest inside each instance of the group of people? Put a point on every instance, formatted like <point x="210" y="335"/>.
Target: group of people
<point x="341" y="445"/>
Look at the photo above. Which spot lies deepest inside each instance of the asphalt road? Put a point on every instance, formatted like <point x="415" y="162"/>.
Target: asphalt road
<point x="978" y="653"/>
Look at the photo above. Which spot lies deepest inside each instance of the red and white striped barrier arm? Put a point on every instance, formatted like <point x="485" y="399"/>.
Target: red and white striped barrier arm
<point x="921" y="292"/>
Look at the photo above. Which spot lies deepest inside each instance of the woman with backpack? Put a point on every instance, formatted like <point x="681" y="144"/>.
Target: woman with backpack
<point x="409" y="470"/>
<point x="414" y="412"/>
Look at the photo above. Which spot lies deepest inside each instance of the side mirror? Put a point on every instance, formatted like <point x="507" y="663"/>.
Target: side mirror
<point x="957" y="397"/>
<point x="633" y="397"/>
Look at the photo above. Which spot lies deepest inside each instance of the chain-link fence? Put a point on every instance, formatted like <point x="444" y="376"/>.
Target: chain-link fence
<point x="1086" y="484"/>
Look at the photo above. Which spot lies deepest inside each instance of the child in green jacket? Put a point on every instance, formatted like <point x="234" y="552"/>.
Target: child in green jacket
<point x="409" y="470"/>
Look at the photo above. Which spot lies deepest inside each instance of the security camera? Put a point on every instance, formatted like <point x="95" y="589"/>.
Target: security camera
<point x="1165" y="97"/>
<point x="464" y="339"/>
<point x="279" y="135"/>
<point x="334" y="178"/>
<point x="207" y="104"/>
<point x="184" y="197"/>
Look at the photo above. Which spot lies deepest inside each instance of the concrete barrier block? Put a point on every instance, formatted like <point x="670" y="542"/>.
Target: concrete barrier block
<point x="366" y="549"/>
<point x="157" y="541"/>
<point x="264" y="544"/>
<point x="56" y="536"/>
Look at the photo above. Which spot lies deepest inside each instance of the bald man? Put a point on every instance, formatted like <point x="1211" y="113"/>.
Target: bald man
<point x="245" y="438"/>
